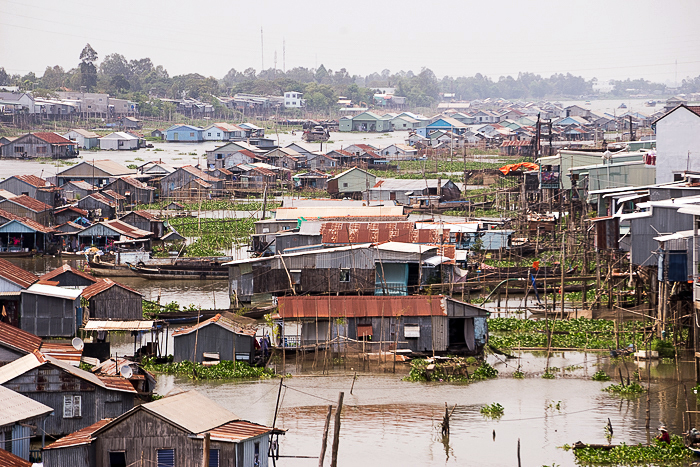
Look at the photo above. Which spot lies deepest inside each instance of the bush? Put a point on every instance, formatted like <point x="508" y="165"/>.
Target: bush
<point x="600" y="375"/>
<point x="665" y="348"/>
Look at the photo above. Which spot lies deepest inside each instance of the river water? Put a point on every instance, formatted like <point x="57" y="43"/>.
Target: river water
<point x="387" y="421"/>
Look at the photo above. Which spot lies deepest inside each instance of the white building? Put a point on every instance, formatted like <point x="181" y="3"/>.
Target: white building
<point x="677" y="143"/>
<point x="119" y="141"/>
<point x="293" y="100"/>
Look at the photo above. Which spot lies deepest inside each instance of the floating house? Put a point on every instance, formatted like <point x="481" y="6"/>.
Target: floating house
<point x="20" y="419"/>
<point x="183" y="133"/>
<point x="168" y="432"/>
<point x="111" y="300"/>
<point x="421" y="324"/>
<point x="213" y="340"/>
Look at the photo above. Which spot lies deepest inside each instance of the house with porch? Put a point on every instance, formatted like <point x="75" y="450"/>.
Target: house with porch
<point x="366" y="121"/>
<point x="104" y="234"/>
<point x="85" y="139"/>
<point x="40" y="144"/>
<point x="24" y="234"/>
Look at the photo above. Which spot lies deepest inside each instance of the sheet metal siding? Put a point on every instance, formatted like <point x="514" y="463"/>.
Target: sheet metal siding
<point x="293" y="241"/>
<point x="90" y="204"/>
<point x="49" y="316"/>
<point x="8" y="286"/>
<point x="76" y="456"/>
<point x="116" y="303"/>
<point x="212" y="338"/>
<point x="20" y="441"/>
<point x="658" y="194"/>
<point x="138" y="195"/>
<point x="49" y="385"/>
<point x="145" y="433"/>
<point x="463" y="310"/>
<point x="18" y="187"/>
<point x="481" y="330"/>
<point x="324" y="280"/>
<point x="8" y="355"/>
<point x="662" y="221"/>
<point x="249" y="452"/>
<point x="439" y="333"/>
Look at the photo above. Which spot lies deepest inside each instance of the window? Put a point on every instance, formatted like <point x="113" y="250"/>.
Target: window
<point x="19" y="149"/>
<point x="213" y="458"/>
<point x="345" y="185"/>
<point x="72" y="406"/>
<point x="117" y="459"/>
<point x="192" y="134"/>
<point x="411" y="330"/>
<point x="41" y="150"/>
<point x="25" y="193"/>
<point x="219" y="156"/>
<point x="209" y="134"/>
<point x="344" y="275"/>
<point x="165" y="457"/>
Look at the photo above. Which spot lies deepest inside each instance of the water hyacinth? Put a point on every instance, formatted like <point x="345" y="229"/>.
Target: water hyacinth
<point x="658" y="453"/>
<point x="224" y="370"/>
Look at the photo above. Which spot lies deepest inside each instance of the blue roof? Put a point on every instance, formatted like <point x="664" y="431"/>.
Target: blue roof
<point x="189" y="127"/>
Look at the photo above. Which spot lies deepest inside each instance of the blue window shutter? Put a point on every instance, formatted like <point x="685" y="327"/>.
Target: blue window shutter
<point x="213" y="458"/>
<point x="166" y="458"/>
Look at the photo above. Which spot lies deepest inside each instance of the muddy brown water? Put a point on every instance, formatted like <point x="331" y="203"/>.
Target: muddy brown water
<point x="388" y="421"/>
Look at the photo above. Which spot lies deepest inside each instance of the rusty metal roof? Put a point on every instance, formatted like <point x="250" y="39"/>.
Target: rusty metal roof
<point x="18" y="339"/>
<point x="84" y="436"/>
<point x="117" y="325"/>
<point x="238" y="430"/>
<point x="16" y="274"/>
<point x="113" y="194"/>
<point x="29" y="203"/>
<point x="360" y="306"/>
<point x="116" y="382"/>
<point x="8" y="215"/>
<point x="62" y="351"/>
<point x="344" y="233"/>
<point x="75" y="209"/>
<point x="7" y="459"/>
<point x="102" y="285"/>
<point x="219" y="321"/>
<point x="66" y="268"/>
<point x="53" y="138"/>
<point x="33" y="180"/>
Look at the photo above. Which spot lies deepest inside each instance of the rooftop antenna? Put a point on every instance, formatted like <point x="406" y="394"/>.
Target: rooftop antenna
<point x="262" y="51"/>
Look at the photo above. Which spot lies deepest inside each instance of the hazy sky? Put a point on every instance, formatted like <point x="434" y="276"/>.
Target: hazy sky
<point x="602" y="38"/>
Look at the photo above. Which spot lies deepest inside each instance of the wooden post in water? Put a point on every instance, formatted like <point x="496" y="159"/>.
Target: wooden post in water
<point x="648" y="412"/>
<point x="336" y="431"/>
<point x="519" y="463"/>
<point x="205" y="449"/>
<point x="324" y="442"/>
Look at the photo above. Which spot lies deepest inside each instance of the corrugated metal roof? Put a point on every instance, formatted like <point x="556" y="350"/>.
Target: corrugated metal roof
<point x="102" y="285"/>
<point x="117" y="383"/>
<point x="53" y="291"/>
<point x="360" y="306"/>
<point x="15" y="407"/>
<point x="217" y="320"/>
<point x="66" y="268"/>
<point x="64" y="352"/>
<point x="374" y="232"/>
<point x="237" y="431"/>
<point x="29" y="203"/>
<point x="18" y="339"/>
<point x="7" y="459"/>
<point x="84" y="436"/>
<point x="338" y="212"/>
<point x="97" y="325"/>
<point x="27" y="223"/>
<point x="33" y="180"/>
<point x="191" y="411"/>
<point x="16" y="274"/>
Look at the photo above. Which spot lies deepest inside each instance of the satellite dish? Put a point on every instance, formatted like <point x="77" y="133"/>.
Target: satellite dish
<point x="126" y="371"/>
<point x="77" y="343"/>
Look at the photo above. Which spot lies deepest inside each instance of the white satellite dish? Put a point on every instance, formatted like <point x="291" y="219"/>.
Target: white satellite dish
<point x="77" y="343"/>
<point x="126" y="371"/>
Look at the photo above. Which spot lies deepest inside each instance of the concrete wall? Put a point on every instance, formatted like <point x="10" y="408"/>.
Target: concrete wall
<point x="677" y="134"/>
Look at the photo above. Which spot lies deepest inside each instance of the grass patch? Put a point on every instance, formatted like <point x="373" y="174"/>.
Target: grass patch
<point x="224" y="370"/>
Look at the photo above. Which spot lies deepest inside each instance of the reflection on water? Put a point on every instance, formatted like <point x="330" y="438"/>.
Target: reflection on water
<point x="393" y="422"/>
<point x="208" y="294"/>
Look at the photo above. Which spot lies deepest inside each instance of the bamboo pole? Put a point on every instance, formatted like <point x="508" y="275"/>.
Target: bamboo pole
<point x="324" y="441"/>
<point x="336" y="431"/>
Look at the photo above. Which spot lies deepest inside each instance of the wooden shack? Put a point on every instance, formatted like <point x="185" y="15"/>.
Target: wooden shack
<point x="135" y="191"/>
<point x="166" y="432"/>
<point x="213" y="340"/>
<point x="66" y="276"/>
<point x="419" y="323"/>
<point x="50" y="311"/>
<point x="145" y="221"/>
<point x="13" y="280"/>
<point x="26" y="206"/>
<point x="111" y="300"/>
<point x="77" y="397"/>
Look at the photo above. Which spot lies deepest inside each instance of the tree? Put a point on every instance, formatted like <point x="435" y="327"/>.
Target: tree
<point x="120" y="83"/>
<point x="88" y="71"/>
<point x="53" y="78"/>
<point x="4" y="77"/>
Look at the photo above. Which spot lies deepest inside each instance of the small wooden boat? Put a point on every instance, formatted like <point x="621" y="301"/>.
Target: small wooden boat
<point x="181" y="273"/>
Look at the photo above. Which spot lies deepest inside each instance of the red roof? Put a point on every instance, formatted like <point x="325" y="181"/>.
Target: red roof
<point x="360" y="306"/>
<point x="102" y="198"/>
<point x="102" y="285"/>
<point x="32" y="180"/>
<point x="516" y="143"/>
<point x="365" y="147"/>
<point x="8" y="215"/>
<point x="113" y="194"/>
<point x="694" y="108"/>
<point x="53" y="138"/>
<point x="16" y="274"/>
<point x="136" y="183"/>
<point x="238" y="430"/>
<point x="76" y="210"/>
<point x="66" y="268"/>
<point x="117" y="382"/>
<point x="84" y="436"/>
<point x="7" y="459"/>
<point x="220" y="320"/>
<point x="199" y="174"/>
<point x="29" y="202"/>
<point x="18" y="339"/>
<point x="32" y="224"/>
<point x="62" y="351"/>
<point x="375" y="232"/>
